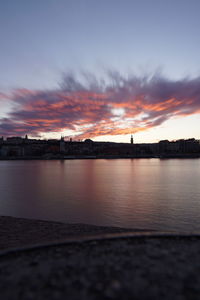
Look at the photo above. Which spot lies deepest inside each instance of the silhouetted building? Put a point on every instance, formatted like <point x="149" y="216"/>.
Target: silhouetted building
<point x="62" y="145"/>
<point x="14" y="140"/>
<point x="163" y="146"/>
<point x="131" y="139"/>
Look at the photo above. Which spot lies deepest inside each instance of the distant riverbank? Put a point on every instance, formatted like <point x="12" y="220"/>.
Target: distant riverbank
<point x="70" y="157"/>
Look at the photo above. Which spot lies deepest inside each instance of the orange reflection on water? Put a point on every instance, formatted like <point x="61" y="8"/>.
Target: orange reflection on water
<point x="135" y="193"/>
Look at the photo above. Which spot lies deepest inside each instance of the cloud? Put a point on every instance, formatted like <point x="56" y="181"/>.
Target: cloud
<point x="90" y="107"/>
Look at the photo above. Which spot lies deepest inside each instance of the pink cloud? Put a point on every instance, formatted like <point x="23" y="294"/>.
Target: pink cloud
<point x="92" y="109"/>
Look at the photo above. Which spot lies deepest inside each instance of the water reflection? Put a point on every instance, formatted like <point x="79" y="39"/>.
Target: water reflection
<point x="137" y="193"/>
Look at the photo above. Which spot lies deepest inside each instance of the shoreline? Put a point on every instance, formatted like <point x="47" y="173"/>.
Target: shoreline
<point x="73" y="157"/>
<point x="21" y="232"/>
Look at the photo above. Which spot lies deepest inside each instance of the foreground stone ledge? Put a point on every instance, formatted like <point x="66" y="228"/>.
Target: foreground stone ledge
<point x="143" y="266"/>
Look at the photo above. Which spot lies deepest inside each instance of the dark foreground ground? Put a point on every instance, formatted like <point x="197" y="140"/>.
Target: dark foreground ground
<point x="105" y="265"/>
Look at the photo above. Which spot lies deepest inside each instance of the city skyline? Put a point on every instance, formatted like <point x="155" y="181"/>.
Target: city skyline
<point x="18" y="139"/>
<point x="25" y="148"/>
<point x="100" y="70"/>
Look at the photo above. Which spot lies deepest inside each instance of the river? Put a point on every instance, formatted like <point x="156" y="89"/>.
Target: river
<point x="135" y="193"/>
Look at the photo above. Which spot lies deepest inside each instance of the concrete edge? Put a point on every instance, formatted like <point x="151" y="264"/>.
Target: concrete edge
<point x="101" y="237"/>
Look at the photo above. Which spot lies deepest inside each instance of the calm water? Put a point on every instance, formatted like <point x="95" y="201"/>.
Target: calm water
<point x="137" y="193"/>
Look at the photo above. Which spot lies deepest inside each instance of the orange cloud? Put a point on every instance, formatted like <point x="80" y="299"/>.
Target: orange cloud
<point x="90" y="112"/>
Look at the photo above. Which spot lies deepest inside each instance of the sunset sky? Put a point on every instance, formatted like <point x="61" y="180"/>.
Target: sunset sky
<point x="100" y="69"/>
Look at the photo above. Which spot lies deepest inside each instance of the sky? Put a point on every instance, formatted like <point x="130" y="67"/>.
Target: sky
<point x="100" y="69"/>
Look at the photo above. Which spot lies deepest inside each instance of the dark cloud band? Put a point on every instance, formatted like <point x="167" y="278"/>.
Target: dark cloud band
<point x="114" y="105"/>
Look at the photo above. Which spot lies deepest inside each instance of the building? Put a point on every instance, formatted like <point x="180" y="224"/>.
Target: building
<point x="131" y="139"/>
<point x="62" y="144"/>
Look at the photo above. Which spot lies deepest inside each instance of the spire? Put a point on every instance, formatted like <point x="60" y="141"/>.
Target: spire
<point x="131" y="139"/>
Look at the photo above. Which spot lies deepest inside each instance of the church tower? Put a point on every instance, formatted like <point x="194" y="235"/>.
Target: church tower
<point x="62" y="144"/>
<point x="131" y="139"/>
